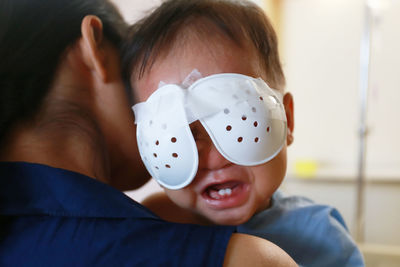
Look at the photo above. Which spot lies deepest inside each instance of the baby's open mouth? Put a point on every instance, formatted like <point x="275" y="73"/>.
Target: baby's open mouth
<point x="222" y="191"/>
<point x="226" y="195"/>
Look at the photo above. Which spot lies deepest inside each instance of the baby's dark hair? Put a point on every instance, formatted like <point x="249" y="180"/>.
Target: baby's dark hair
<point x="240" y="21"/>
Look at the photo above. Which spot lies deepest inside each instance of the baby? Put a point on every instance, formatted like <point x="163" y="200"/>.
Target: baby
<point x="214" y="134"/>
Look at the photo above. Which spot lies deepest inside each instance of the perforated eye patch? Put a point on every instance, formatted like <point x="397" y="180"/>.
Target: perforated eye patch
<point x="243" y="116"/>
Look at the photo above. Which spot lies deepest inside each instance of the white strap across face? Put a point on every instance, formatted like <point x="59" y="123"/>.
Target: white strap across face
<point x="244" y="118"/>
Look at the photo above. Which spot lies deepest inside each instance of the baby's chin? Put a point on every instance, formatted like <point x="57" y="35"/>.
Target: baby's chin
<point x="233" y="216"/>
<point x="227" y="217"/>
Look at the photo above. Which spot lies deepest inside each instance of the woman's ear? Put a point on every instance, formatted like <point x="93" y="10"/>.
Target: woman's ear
<point x="92" y="42"/>
<point x="289" y="109"/>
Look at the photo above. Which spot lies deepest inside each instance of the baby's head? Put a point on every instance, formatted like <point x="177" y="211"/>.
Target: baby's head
<point x="212" y="37"/>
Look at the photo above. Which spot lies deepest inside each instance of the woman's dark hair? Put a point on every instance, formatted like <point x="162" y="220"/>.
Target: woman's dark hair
<point x="33" y="36"/>
<point x="241" y="21"/>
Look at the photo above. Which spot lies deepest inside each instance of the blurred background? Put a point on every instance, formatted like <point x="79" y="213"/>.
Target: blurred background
<point x="342" y="63"/>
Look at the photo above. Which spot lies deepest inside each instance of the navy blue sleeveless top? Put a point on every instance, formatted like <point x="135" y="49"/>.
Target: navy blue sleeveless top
<point x="55" y="217"/>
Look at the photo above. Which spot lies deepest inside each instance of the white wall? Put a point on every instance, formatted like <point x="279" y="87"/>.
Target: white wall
<point x="321" y="55"/>
<point x="321" y="41"/>
<point x="321" y="44"/>
<point x="132" y="10"/>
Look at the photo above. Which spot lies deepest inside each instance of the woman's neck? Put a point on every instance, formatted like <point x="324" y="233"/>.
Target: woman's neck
<point x="67" y="139"/>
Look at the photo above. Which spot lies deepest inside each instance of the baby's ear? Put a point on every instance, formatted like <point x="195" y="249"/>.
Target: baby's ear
<point x="92" y="45"/>
<point x="289" y="109"/>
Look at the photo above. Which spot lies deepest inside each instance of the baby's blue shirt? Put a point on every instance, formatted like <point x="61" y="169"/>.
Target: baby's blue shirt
<point x="312" y="234"/>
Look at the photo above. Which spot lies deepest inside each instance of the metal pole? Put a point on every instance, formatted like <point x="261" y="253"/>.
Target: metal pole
<point x="365" y="52"/>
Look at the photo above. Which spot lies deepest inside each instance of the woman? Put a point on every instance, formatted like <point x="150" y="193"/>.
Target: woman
<point x="65" y="122"/>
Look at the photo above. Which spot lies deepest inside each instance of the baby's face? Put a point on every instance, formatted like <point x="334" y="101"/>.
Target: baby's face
<point x="222" y="192"/>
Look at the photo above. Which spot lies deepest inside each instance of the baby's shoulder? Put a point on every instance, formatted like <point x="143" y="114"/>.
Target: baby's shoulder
<point x="303" y="209"/>
<point x="307" y="231"/>
<point x="295" y="214"/>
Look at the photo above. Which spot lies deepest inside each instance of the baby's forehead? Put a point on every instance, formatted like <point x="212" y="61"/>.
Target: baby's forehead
<point x="199" y="37"/>
<point x="209" y="56"/>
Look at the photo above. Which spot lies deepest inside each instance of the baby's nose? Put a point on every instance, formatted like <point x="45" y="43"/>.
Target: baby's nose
<point x="209" y="156"/>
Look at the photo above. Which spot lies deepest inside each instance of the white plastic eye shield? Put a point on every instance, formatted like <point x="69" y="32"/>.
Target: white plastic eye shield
<point x="244" y="118"/>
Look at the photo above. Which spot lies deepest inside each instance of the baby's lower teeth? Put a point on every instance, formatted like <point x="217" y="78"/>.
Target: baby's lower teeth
<point x="223" y="192"/>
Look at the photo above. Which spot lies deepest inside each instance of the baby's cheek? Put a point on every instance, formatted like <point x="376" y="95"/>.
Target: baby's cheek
<point x="184" y="198"/>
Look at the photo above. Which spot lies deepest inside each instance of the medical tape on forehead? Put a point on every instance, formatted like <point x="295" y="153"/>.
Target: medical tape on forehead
<point x="199" y="104"/>
<point x="243" y="116"/>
